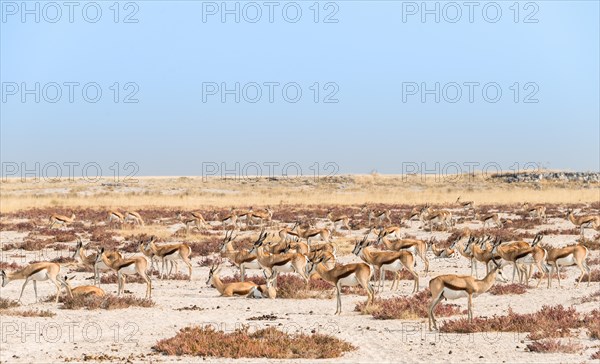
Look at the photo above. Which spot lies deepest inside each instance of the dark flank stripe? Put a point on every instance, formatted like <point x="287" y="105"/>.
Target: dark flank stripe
<point x="563" y="255"/>
<point x="37" y="271"/>
<point x="345" y="274"/>
<point x="282" y="262"/>
<point x="391" y="259"/>
<point x="522" y="255"/>
<point x="125" y="264"/>
<point x="171" y="251"/>
<point x="456" y="288"/>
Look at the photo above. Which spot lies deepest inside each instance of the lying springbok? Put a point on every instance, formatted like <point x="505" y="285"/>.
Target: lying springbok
<point x="228" y="289"/>
<point x="266" y="290"/>
<point x="82" y="290"/>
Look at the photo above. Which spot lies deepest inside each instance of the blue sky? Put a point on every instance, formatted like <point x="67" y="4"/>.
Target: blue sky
<point x="371" y="59"/>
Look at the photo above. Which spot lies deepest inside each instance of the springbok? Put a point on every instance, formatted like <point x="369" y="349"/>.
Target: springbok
<point x="344" y="275"/>
<point x="41" y="271"/>
<point x="453" y="286"/>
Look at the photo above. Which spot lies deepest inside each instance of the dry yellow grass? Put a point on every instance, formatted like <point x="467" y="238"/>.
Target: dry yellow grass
<point x="196" y="192"/>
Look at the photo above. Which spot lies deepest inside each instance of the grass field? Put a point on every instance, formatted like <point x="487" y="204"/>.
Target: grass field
<point x="198" y="192"/>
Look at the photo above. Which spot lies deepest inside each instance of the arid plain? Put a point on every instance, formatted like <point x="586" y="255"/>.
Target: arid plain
<point x="512" y="322"/>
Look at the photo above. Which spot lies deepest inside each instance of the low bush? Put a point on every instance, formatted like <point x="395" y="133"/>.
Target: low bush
<point x="265" y="343"/>
<point x="548" y="323"/>
<point x="406" y="308"/>
<point x="502" y="289"/>
<point x="108" y="302"/>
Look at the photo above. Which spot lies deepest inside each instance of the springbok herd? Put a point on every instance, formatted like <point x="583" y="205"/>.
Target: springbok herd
<point x="307" y="250"/>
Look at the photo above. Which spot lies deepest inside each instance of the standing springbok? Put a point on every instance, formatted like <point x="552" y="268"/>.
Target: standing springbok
<point x="568" y="256"/>
<point x="433" y="218"/>
<point x="41" y="271"/>
<point x="134" y="218"/>
<point x="584" y="222"/>
<point x="195" y="220"/>
<point x="460" y="245"/>
<point x="231" y="218"/>
<point x="453" y="286"/>
<point x="125" y="267"/>
<point x="415" y="246"/>
<point x="115" y="218"/>
<point x="171" y="253"/>
<point x="342" y="220"/>
<point x="243" y="259"/>
<point x="522" y="254"/>
<point x="464" y="204"/>
<point x="537" y="211"/>
<point x="56" y="219"/>
<point x="288" y="233"/>
<point x="263" y="217"/>
<point x="488" y="219"/>
<point x="279" y="263"/>
<point x="91" y="262"/>
<point x="351" y="275"/>
<point x="308" y="233"/>
<point x="381" y="216"/>
<point x="384" y="261"/>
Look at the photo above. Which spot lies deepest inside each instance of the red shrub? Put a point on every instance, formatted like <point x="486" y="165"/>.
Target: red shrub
<point x="264" y="343"/>
<point x="549" y="322"/>
<point x="403" y="308"/>
<point x="502" y="289"/>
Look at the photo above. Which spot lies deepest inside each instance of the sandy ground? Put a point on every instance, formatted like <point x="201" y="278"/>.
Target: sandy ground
<point x="129" y="334"/>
